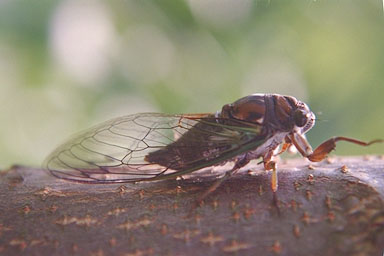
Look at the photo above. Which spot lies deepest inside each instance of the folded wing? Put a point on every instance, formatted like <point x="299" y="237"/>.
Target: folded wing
<point x="151" y="146"/>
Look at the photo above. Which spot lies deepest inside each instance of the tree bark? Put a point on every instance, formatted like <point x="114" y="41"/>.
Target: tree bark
<point x="335" y="207"/>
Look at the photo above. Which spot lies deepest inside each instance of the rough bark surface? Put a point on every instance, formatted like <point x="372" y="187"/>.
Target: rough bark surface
<point x="335" y="207"/>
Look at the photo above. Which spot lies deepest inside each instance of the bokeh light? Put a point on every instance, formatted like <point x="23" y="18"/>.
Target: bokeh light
<point x="66" y="65"/>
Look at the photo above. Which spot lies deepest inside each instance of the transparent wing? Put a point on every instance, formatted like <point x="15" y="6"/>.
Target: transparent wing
<point x="151" y="146"/>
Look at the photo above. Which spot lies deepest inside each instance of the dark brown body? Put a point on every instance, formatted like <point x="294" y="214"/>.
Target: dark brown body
<point x="265" y="114"/>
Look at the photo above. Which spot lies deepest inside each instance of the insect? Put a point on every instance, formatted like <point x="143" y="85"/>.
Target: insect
<point x="153" y="146"/>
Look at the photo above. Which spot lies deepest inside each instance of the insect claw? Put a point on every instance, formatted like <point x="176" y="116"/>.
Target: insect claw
<point x="322" y="151"/>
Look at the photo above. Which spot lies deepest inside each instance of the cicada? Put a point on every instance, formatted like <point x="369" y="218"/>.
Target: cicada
<point x="154" y="146"/>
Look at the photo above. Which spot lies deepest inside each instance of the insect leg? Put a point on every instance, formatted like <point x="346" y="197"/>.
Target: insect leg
<point x="239" y="164"/>
<point x="327" y="146"/>
<point x="284" y="148"/>
<point x="269" y="164"/>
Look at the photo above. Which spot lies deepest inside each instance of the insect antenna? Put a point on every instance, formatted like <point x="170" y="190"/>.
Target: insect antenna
<point x="319" y="113"/>
<point x="321" y="120"/>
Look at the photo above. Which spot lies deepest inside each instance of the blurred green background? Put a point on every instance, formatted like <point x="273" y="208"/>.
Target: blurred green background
<point x="66" y="65"/>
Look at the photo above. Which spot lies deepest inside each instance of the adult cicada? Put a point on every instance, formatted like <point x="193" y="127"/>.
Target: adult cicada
<point x="153" y="146"/>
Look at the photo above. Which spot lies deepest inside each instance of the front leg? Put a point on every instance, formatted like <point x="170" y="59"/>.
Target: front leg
<point x="326" y="147"/>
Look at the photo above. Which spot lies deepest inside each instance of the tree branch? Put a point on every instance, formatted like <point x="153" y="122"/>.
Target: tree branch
<point x="335" y="207"/>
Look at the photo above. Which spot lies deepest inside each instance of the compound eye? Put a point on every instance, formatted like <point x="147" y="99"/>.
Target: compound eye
<point x="300" y="118"/>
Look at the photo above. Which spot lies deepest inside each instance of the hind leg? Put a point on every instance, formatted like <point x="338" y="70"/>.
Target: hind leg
<point x="239" y="164"/>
